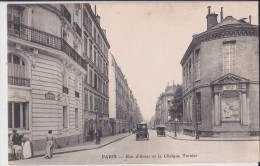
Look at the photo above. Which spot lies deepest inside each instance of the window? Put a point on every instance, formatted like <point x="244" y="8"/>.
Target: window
<point x="95" y="81"/>
<point x="91" y="102"/>
<point x="16" y="66"/>
<point x="18" y="115"/>
<point x="65" y="117"/>
<point x="85" y="45"/>
<point x="95" y="57"/>
<point x="76" y="87"/>
<point x="65" y="12"/>
<point x="85" y="19"/>
<point x="198" y="107"/>
<point x="90" y="51"/>
<point x="91" y="78"/>
<point x="229" y="57"/>
<point x="15" y="14"/>
<point x="17" y="71"/>
<point x="86" y="101"/>
<point x="197" y="65"/>
<point x="76" y="118"/>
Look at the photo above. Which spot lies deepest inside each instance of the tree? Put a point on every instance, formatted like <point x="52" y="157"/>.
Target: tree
<point x="177" y="106"/>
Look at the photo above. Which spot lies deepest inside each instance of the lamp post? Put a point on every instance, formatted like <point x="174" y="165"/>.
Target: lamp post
<point x="97" y="131"/>
<point x="175" y="127"/>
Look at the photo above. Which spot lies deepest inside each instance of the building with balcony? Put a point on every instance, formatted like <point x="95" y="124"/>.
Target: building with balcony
<point x="124" y="112"/>
<point x="221" y="79"/>
<point x="45" y="72"/>
<point x="95" y="51"/>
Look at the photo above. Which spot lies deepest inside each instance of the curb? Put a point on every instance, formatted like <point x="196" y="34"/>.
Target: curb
<point x="184" y="139"/>
<point x="77" y="150"/>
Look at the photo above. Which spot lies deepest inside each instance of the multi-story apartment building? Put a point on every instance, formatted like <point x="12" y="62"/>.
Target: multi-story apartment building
<point x="123" y="107"/>
<point x="95" y="51"/>
<point x="221" y="79"/>
<point x="163" y="104"/>
<point x="45" y="72"/>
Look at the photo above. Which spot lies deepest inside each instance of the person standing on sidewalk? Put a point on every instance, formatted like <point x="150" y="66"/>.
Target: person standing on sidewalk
<point x="91" y="134"/>
<point x="50" y="144"/>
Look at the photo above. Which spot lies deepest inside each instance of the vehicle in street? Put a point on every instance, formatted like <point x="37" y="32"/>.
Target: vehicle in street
<point x="160" y="130"/>
<point x="142" y="131"/>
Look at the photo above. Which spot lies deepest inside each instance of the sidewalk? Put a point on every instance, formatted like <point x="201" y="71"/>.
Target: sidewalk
<point x="181" y="136"/>
<point x="85" y="146"/>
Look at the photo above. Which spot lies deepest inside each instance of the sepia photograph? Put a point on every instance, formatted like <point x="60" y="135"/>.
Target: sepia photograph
<point x="160" y="82"/>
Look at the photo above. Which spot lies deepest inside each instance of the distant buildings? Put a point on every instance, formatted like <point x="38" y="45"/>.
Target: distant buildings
<point x="123" y="108"/>
<point x="163" y="104"/>
<point x="221" y="79"/>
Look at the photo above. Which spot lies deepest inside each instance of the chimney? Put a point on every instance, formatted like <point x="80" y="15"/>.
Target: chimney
<point x="212" y="19"/>
<point x="173" y="82"/>
<point x="249" y="19"/>
<point x="221" y="14"/>
<point x="95" y="10"/>
<point x="98" y="18"/>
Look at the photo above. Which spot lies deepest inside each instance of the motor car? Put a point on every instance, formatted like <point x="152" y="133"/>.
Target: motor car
<point x="142" y="131"/>
<point x="160" y="130"/>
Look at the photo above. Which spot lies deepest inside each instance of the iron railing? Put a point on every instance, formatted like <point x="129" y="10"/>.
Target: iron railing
<point x="19" y="81"/>
<point x="40" y="37"/>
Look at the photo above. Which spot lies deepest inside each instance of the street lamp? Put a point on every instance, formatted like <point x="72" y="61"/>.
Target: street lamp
<point x="175" y="127"/>
<point x="97" y="131"/>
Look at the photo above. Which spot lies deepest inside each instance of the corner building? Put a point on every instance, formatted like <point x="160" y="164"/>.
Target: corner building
<point x="46" y="72"/>
<point x="221" y="79"/>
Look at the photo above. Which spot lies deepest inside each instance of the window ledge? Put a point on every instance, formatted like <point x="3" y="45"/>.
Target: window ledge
<point x="20" y="87"/>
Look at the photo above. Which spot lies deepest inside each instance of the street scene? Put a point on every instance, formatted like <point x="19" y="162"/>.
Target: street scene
<point x="143" y="152"/>
<point x="131" y="83"/>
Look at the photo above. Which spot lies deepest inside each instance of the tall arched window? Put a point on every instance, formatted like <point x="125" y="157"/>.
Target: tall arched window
<point x="17" y="71"/>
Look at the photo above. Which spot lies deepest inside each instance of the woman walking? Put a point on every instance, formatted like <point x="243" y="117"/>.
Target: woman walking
<point x="50" y="144"/>
<point x="27" y="148"/>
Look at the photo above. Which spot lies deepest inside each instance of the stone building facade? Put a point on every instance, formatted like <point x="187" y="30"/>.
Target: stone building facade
<point x="46" y="72"/>
<point x="221" y="79"/>
<point x="95" y="51"/>
<point x="163" y="104"/>
<point x="124" y="112"/>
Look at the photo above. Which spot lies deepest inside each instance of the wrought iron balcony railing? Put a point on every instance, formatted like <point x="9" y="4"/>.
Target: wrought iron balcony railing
<point x="27" y="33"/>
<point x="12" y="80"/>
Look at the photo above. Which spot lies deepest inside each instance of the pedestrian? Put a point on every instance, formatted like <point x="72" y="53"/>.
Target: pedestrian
<point x="91" y="134"/>
<point x="50" y="144"/>
<point x="16" y="144"/>
<point x="27" y="148"/>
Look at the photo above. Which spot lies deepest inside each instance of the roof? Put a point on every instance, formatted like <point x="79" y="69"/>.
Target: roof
<point x="229" y="20"/>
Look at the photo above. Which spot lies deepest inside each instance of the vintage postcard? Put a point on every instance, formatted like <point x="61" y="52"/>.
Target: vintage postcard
<point x="130" y="82"/>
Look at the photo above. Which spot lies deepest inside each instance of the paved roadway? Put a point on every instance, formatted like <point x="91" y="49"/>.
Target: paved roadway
<point x="156" y="150"/>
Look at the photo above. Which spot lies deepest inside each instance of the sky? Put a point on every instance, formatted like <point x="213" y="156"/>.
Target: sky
<point x="148" y="40"/>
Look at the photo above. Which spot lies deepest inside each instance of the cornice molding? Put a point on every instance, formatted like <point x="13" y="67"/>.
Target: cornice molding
<point x="220" y="33"/>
